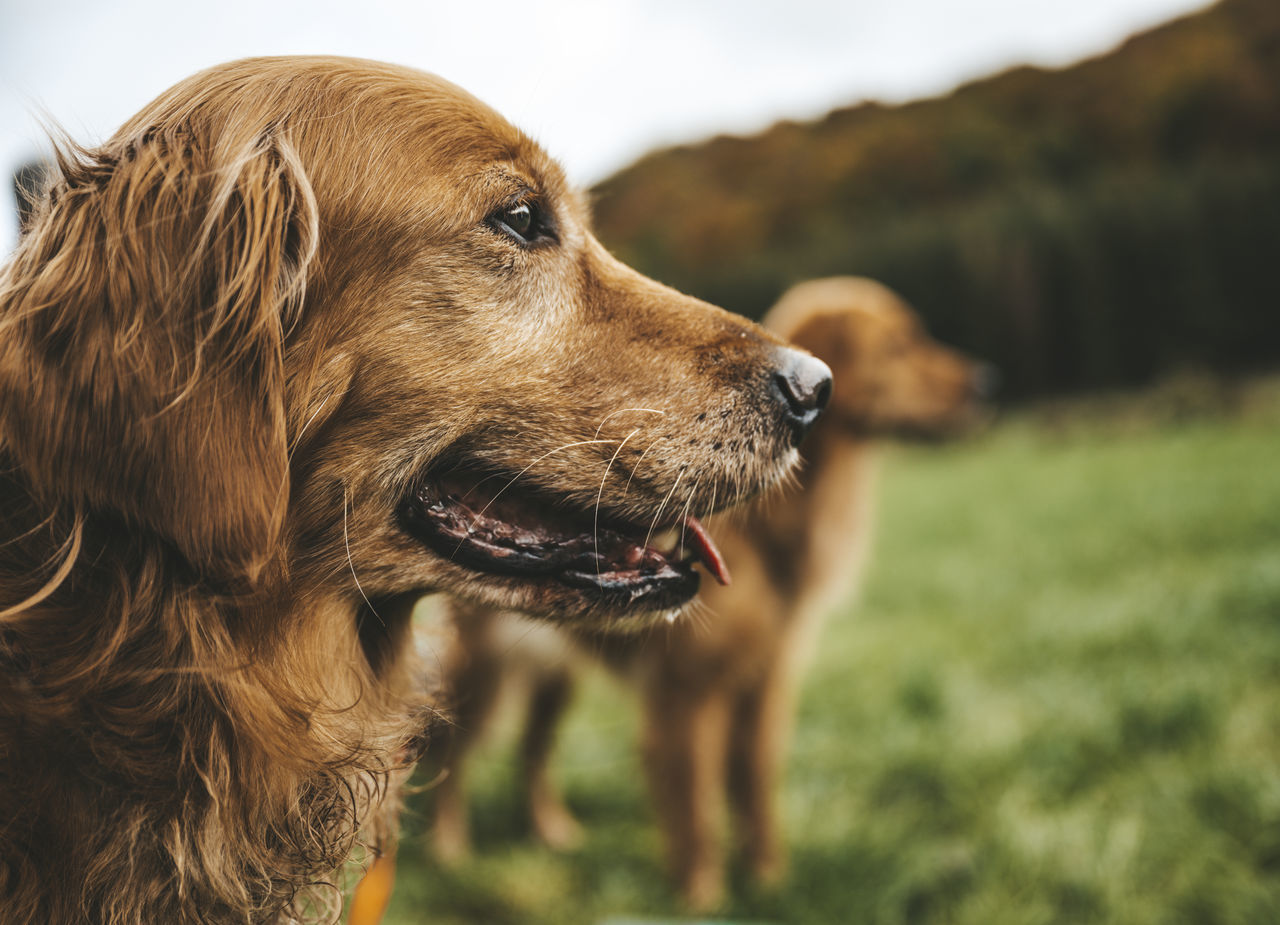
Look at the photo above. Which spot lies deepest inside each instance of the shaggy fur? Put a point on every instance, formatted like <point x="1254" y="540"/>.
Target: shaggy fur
<point x="718" y="691"/>
<point x="234" y="342"/>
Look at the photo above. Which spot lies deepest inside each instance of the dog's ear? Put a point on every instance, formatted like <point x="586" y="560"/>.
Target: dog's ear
<point x="142" y="326"/>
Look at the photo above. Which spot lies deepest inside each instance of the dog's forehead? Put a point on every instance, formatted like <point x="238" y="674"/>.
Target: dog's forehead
<point x="446" y="127"/>
<point x="420" y="120"/>
<point x="352" y="120"/>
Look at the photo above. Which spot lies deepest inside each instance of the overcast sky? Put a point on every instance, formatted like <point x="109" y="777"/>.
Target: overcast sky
<point x="598" y="83"/>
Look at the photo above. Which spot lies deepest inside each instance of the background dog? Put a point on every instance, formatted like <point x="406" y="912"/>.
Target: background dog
<point x="307" y="338"/>
<point x="718" y="691"/>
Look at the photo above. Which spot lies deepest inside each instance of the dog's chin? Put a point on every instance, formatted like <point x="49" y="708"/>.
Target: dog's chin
<point x="529" y="550"/>
<point x="569" y="607"/>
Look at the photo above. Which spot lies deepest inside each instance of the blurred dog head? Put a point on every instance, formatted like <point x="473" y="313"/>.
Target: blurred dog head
<point x="891" y="377"/>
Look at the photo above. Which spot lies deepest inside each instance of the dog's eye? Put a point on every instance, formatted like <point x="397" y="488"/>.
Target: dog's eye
<point x="524" y="221"/>
<point x="519" y="219"/>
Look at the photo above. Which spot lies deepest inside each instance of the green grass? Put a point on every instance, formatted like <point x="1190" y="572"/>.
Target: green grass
<point x="1057" y="701"/>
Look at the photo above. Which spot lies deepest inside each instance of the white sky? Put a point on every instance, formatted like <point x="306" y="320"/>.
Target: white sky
<point x="598" y="83"/>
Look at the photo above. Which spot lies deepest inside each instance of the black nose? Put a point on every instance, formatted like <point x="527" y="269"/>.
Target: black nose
<point x="803" y="387"/>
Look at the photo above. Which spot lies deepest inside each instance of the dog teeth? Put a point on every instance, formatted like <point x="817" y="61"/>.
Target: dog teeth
<point x="671" y="616"/>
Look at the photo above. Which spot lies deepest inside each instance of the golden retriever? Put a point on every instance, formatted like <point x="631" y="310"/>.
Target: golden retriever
<point x="718" y="692"/>
<point x="307" y="338"/>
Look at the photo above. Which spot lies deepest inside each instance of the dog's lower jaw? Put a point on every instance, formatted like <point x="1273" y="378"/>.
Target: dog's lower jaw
<point x="562" y="605"/>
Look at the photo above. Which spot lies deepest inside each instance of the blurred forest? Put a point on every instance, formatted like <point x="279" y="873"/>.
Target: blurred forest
<point x="1093" y="226"/>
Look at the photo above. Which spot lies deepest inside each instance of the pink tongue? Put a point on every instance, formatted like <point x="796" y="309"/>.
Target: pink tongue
<point x="707" y="551"/>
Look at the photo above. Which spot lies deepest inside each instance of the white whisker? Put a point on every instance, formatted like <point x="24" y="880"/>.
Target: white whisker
<point x="514" y="478"/>
<point x="662" y="506"/>
<point x="297" y="441"/>
<point x="624" y="411"/>
<point x="595" y="527"/>
<point x="351" y="564"/>
<point x="700" y="616"/>
<point x="636" y="467"/>
<point x="684" y="518"/>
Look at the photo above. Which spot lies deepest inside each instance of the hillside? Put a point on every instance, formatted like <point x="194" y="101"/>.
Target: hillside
<point x="1047" y="219"/>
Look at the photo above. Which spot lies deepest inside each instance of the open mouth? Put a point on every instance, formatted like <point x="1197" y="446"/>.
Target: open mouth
<point x="532" y="536"/>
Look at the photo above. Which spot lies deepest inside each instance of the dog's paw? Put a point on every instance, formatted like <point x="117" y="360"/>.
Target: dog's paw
<point x="703" y="890"/>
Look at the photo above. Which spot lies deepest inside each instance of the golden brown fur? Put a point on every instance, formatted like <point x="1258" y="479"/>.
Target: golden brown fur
<point x="718" y="692"/>
<point x="234" y="342"/>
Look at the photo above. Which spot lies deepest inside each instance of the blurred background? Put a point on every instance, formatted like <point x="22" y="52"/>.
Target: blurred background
<point x="1081" y="225"/>
<point x="1058" y="697"/>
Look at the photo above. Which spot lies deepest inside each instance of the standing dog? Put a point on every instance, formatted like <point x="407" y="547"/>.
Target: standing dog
<point x="718" y="694"/>
<point x="307" y="338"/>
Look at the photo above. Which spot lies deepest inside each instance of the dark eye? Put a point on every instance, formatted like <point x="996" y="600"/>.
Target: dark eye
<point x="524" y="221"/>
<point x="519" y="219"/>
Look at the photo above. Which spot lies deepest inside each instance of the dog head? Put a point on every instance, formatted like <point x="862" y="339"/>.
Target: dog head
<point x="340" y="320"/>
<point x="892" y="378"/>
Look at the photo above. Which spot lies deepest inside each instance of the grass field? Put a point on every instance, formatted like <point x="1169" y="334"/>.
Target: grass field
<point x="1058" y="700"/>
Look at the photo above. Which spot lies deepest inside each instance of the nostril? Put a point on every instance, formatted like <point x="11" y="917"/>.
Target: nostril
<point x="788" y="391"/>
<point x="824" y="394"/>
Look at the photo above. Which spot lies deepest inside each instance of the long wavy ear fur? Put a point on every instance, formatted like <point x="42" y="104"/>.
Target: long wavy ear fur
<point x="142" y="326"/>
